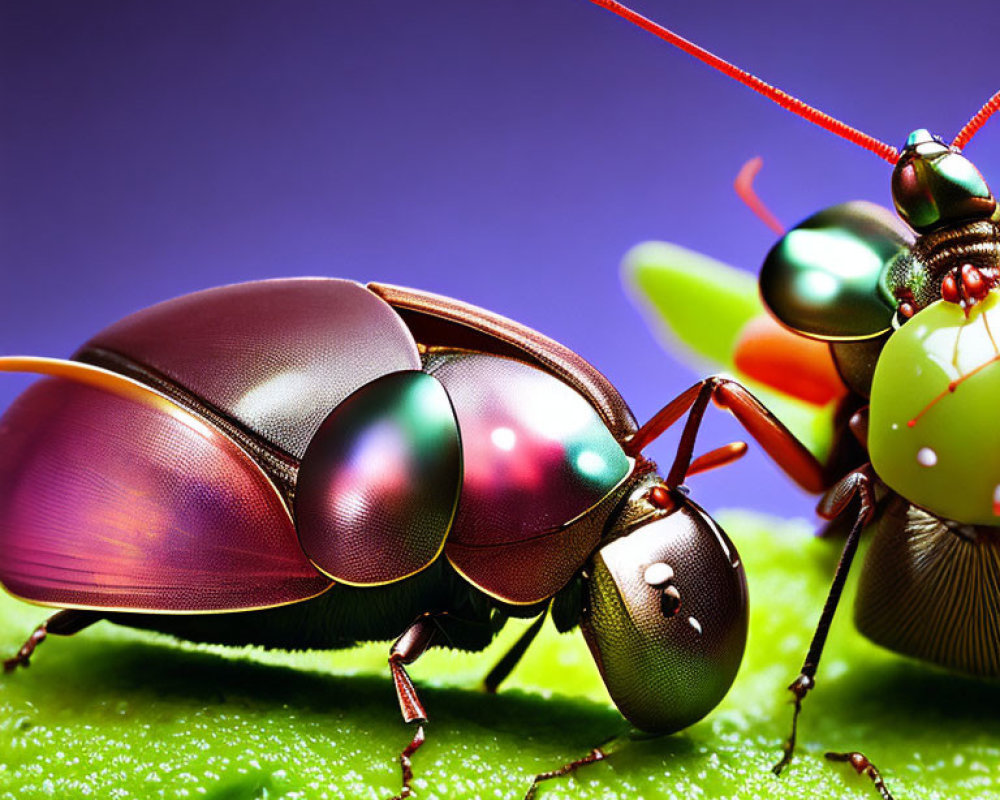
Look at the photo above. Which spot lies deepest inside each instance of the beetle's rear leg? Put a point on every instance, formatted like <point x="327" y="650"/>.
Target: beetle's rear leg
<point x="595" y="755"/>
<point x="63" y="623"/>
<point x="863" y="766"/>
<point x="506" y="665"/>
<point x="407" y="649"/>
<point x="854" y="485"/>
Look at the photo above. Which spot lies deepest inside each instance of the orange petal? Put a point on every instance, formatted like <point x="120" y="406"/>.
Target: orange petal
<point x="774" y="356"/>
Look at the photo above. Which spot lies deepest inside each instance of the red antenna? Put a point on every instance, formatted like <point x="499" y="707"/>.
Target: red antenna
<point x="973" y="125"/>
<point x="783" y="99"/>
<point x="745" y="191"/>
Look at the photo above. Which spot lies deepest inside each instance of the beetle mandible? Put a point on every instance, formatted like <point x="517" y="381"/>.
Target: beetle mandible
<point x="308" y="463"/>
<point x="900" y="310"/>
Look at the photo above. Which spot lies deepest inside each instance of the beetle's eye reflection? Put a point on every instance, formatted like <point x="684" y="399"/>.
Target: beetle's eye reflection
<point x="658" y="574"/>
<point x="661" y="576"/>
<point x="670" y="601"/>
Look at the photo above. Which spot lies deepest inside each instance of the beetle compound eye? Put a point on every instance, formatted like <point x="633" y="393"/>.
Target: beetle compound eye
<point x="670" y="601"/>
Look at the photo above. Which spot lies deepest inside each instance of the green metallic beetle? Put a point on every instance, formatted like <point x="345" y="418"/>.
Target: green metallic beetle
<point x="891" y="342"/>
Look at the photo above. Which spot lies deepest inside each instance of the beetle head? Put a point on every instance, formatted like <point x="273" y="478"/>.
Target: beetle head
<point x="934" y="184"/>
<point x="666" y="610"/>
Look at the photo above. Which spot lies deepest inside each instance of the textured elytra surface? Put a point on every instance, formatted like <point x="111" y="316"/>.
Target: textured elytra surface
<point x="116" y="713"/>
<point x="246" y="349"/>
<point x="109" y="503"/>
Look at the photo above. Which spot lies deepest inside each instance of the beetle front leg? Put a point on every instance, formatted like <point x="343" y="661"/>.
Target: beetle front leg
<point x="595" y="755"/>
<point x="863" y="766"/>
<point x="63" y="623"/>
<point x="777" y="441"/>
<point x="407" y="649"/>
<point x="855" y="485"/>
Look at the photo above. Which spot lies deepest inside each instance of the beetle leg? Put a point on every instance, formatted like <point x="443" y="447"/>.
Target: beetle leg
<point x="719" y="457"/>
<point x="63" y="623"/>
<point x="407" y="649"/>
<point x="595" y="755"/>
<point x="856" y="484"/>
<point x="778" y="442"/>
<point x="863" y="766"/>
<point x="506" y="665"/>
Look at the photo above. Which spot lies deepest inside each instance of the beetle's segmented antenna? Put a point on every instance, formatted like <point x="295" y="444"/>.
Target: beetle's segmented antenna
<point x="973" y="125"/>
<point x="783" y="99"/>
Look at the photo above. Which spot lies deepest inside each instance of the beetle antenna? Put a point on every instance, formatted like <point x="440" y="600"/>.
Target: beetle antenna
<point x="783" y="99"/>
<point x="745" y="191"/>
<point x="973" y="125"/>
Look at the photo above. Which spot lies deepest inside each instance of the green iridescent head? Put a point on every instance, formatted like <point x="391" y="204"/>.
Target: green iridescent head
<point x="934" y="185"/>
<point x="666" y="612"/>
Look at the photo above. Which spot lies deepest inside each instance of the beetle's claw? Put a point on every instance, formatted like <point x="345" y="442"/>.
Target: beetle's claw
<point x="800" y="687"/>
<point x="863" y="766"/>
<point x="11" y="664"/>
<point x="23" y="657"/>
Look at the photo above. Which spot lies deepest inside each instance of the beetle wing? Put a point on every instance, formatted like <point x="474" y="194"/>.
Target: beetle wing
<point x="537" y="459"/>
<point x="112" y="497"/>
<point x="275" y="355"/>
<point x="442" y="322"/>
<point x="712" y="314"/>
<point x="380" y="481"/>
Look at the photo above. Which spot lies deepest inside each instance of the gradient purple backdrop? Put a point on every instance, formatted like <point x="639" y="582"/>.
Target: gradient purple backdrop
<point x="504" y="152"/>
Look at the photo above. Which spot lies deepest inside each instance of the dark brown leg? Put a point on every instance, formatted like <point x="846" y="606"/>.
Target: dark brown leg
<point x="857" y="484"/>
<point x="593" y="757"/>
<point x="407" y="765"/>
<point x="506" y="665"/>
<point x="778" y="442"/>
<point x="863" y="766"/>
<point x="63" y="623"/>
<point x="407" y="649"/>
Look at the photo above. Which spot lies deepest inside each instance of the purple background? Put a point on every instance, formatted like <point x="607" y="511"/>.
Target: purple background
<point x="505" y="152"/>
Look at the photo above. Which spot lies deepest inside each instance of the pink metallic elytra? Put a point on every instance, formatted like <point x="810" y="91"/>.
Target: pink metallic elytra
<point x="110" y="504"/>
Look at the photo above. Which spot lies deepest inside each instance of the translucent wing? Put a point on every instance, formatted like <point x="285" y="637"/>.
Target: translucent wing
<point x="711" y="315"/>
<point x="114" y="497"/>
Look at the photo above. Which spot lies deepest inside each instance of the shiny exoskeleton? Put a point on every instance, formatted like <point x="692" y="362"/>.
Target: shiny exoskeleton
<point x="908" y="307"/>
<point x="909" y="312"/>
<point x="914" y="351"/>
<point x="310" y="463"/>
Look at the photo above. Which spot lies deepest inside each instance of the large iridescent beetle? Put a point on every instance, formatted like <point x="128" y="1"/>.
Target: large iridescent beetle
<point x="309" y="463"/>
<point x="898" y="315"/>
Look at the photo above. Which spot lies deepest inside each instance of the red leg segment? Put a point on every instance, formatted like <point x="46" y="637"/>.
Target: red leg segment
<point x="407" y="649"/>
<point x="861" y="765"/>
<point x="593" y="757"/>
<point x="778" y="442"/>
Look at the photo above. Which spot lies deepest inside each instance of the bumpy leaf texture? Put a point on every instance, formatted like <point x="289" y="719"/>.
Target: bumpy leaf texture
<point x="122" y="714"/>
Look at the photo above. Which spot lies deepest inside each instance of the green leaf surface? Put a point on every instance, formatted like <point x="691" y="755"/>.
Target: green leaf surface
<point x="115" y="713"/>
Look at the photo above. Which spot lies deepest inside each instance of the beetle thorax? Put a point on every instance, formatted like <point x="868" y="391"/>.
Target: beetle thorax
<point x="935" y="262"/>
